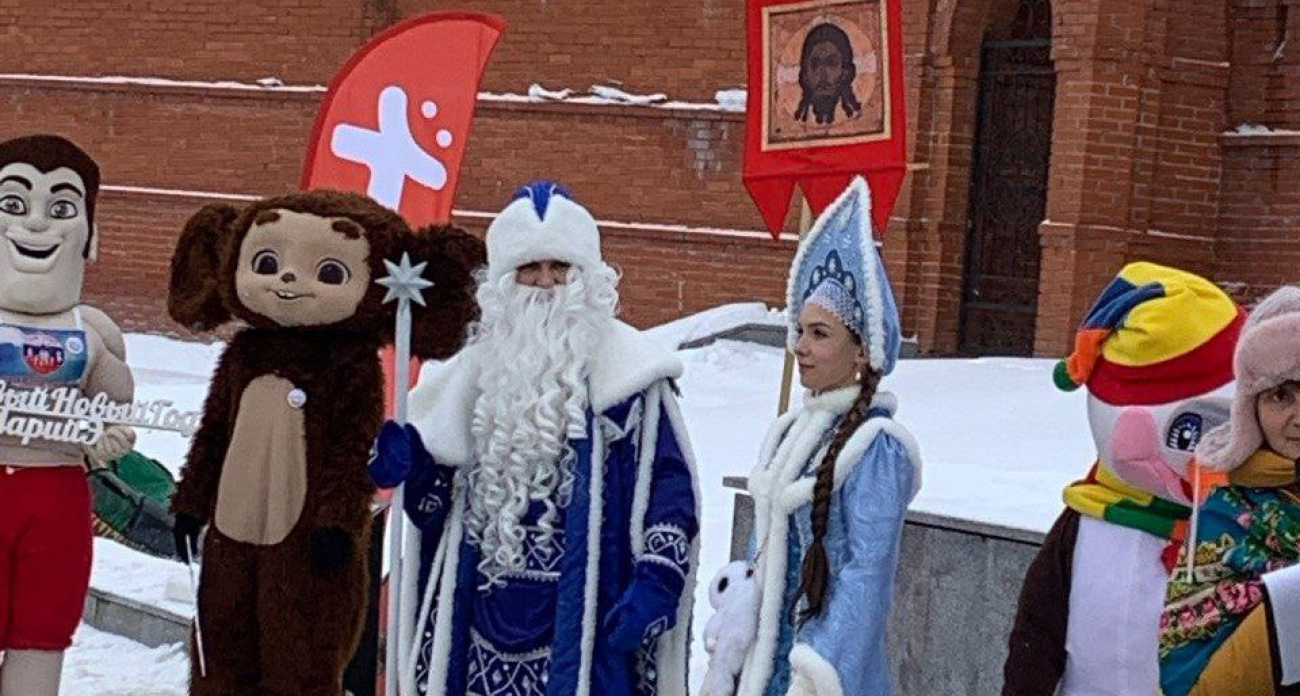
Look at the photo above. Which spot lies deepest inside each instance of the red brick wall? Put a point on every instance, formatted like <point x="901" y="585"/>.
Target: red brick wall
<point x="1259" y="215"/>
<point x="625" y="163"/>
<point x="687" y="49"/>
<point x="298" y="41"/>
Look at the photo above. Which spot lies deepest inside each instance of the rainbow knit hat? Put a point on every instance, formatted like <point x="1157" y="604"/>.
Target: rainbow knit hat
<point x="1156" y="335"/>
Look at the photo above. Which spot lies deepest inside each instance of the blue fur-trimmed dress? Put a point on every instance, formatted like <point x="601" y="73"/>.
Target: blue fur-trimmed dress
<point x="604" y="609"/>
<point x="842" y="651"/>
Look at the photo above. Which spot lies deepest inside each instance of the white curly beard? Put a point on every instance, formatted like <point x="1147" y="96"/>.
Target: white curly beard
<point x="535" y="347"/>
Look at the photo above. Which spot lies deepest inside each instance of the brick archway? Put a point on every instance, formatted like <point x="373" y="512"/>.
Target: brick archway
<point x="932" y="244"/>
<point x="1135" y="160"/>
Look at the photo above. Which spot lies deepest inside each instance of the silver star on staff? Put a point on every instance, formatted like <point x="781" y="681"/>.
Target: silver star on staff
<point x="405" y="284"/>
<point x="404" y="281"/>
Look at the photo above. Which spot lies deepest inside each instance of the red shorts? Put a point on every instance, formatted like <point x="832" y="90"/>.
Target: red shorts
<point x="45" y="550"/>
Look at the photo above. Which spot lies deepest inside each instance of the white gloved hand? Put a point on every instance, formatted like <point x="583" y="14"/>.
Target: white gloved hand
<point x="115" y="442"/>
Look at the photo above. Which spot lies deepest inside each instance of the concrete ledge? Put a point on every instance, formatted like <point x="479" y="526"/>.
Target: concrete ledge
<point x="763" y="334"/>
<point x="774" y="335"/>
<point x="131" y="619"/>
<point x="984" y="530"/>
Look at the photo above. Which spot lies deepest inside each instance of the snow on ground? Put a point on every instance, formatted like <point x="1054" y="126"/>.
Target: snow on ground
<point x="102" y="664"/>
<point x="157" y="582"/>
<point x="177" y="371"/>
<point x="999" y="442"/>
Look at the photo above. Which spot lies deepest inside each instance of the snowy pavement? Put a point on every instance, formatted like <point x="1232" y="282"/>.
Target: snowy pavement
<point x="102" y="664"/>
<point x="999" y="442"/>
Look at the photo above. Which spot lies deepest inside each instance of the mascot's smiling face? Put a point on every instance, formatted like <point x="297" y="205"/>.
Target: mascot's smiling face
<point x="299" y="269"/>
<point x="309" y="260"/>
<point x="46" y="228"/>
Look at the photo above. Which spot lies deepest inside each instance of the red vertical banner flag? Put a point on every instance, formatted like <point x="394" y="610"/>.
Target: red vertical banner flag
<point x="397" y="116"/>
<point x="826" y="102"/>
<point x="396" y="119"/>
<point x="394" y="125"/>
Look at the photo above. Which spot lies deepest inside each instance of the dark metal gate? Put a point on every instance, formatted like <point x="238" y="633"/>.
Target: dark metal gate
<point x="1008" y="199"/>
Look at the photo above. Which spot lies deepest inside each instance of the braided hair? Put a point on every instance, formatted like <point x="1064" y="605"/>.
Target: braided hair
<point x="816" y="569"/>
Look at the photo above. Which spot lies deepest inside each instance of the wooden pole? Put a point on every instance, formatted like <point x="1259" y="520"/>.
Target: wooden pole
<point x="787" y="372"/>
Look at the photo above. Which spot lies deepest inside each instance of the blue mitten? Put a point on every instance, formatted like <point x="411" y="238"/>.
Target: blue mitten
<point x="427" y="498"/>
<point x="647" y="609"/>
<point x="394" y="455"/>
<point x="399" y="456"/>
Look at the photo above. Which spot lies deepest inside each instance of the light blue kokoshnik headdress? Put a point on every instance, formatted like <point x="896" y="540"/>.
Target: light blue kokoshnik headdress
<point x="839" y="269"/>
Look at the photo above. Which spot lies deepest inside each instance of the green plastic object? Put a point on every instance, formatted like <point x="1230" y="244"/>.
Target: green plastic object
<point x="131" y="496"/>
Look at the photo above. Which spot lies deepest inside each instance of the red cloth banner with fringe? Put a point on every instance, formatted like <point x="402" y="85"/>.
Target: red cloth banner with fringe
<point x="826" y="102"/>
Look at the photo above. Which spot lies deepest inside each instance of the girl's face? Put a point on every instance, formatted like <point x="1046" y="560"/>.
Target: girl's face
<point x="829" y="355"/>
<point x="1279" y="418"/>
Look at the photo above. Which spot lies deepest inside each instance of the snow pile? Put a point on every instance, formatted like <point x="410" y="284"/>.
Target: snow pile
<point x="540" y="93"/>
<point x="265" y="84"/>
<point x="616" y="95"/>
<point x="597" y="95"/>
<point x="102" y="664"/>
<point x="1258" y="129"/>
<point x="713" y="321"/>
<point x="155" y="582"/>
<point x="732" y="99"/>
<point x="174" y="370"/>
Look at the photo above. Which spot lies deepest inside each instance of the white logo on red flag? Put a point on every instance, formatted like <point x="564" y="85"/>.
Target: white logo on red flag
<point x="391" y="153"/>
<point x="395" y="127"/>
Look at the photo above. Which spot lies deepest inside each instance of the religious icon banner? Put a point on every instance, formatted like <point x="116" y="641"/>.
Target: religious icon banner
<point x="826" y="102"/>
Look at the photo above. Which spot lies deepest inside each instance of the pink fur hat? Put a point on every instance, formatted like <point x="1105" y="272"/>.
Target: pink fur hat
<point x="1268" y="354"/>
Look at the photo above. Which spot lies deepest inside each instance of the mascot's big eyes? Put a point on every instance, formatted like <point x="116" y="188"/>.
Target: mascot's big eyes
<point x="63" y="210"/>
<point x="266" y="263"/>
<point x="1190" y="421"/>
<point x="331" y="272"/>
<point x="1185" y="432"/>
<point x="13" y="205"/>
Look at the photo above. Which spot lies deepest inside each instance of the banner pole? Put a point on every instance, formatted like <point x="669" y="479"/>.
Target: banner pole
<point x="787" y="371"/>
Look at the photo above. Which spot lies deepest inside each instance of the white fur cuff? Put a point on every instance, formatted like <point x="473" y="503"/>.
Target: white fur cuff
<point x="1284" y="599"/>
<point x="811" y="672"/>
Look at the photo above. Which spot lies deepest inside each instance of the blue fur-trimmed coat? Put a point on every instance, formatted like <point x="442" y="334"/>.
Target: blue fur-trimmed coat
<point x="842" y="651"/>
<point x="623" y="576"/>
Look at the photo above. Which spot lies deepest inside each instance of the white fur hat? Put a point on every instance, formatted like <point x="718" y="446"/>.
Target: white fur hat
<point x="542" y="222"/>
<point x="1268" y="354"/>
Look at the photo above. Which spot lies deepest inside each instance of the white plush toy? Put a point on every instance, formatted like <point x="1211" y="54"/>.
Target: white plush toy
<point x="730" y="632"/>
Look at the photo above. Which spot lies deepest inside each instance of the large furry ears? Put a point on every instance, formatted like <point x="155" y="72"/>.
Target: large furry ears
<point x="438" y="328"/>
<point x="194" y="292"/>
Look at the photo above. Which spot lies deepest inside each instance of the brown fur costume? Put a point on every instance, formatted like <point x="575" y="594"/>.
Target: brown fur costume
<point x="284" y="485"/>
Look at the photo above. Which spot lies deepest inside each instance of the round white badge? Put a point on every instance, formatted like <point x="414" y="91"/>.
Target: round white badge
<point x="297" y="398"/>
